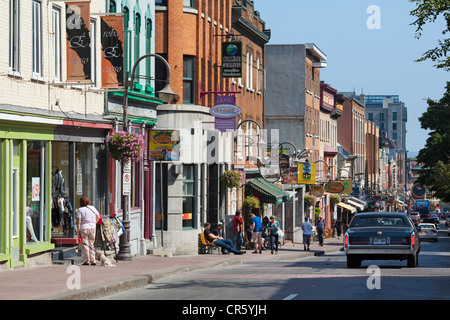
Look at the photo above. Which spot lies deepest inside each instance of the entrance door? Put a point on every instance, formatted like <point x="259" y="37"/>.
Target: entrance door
<point x="15" y="214"/>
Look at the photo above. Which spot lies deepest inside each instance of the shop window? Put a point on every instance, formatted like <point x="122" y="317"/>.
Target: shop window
<point x="36" y="191"/>
<point x="2" y="164"/>
<point x="189" y="196"/>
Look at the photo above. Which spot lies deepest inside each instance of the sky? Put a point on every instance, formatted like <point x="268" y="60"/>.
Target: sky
<point x="374" y="61"/>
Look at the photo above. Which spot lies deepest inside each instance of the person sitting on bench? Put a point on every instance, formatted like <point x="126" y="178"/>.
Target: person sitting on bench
<point x="225" y="244"/>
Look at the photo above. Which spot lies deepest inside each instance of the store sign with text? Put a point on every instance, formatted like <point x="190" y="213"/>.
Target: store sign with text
<point x="232" y="59"/>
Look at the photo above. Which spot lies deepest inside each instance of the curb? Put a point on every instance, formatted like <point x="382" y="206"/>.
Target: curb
<point x="141" y="281"/>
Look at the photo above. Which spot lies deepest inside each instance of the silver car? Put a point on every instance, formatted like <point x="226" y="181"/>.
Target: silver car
<point x="428" y="231"/>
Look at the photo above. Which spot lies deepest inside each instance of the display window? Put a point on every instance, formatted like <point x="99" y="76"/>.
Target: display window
<point x="62" y="209"/>
<point x="2" y="164"/>
<point x="189" y="196"/>
<point x="36" y="189"/>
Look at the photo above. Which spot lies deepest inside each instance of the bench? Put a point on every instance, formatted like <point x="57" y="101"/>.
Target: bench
<point x="205" y="246"/>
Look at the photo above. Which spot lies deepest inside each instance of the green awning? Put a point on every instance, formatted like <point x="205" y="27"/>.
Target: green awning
<point x="266" y="192"/>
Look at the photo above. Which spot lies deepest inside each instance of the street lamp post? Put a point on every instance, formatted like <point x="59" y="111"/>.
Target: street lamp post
<point x="166" y="95"/>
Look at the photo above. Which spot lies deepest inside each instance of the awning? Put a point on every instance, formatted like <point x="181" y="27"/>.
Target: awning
<point x="329" y="151"/>
<point x="267" y="192"/>
<point x="356" y="204"/>
<point x="346" y="206"/>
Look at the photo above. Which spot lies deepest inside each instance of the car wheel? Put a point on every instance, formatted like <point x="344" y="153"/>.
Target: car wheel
<point x="353" y="262"/>
<point x="413" y="261"/>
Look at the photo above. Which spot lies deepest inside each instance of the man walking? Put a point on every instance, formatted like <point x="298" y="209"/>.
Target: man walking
<point x="306" y="227"/>
<point x="256" y="228"/>
<point x="320" y="230"/>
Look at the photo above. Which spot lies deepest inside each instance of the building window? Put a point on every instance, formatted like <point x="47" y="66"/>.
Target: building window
<point x="148" y="49"/>
<point x="188" y="3"/>
<point x="56" y="30"/>
<point x="382" y="126"/>
<point x="112" y="6"/>
<point x="394" y="126"/>
<point x="381" y="116"/>
<point x="161" y="3"/>
<point x="14" y="28"/>
<point x="36" y="34"/>
<point x="188" y="79"/>
<point x="137" y="38"/>
<point x="189" y="195"/>
<point x="394" y="116"/>
<point x="370" y="116"/>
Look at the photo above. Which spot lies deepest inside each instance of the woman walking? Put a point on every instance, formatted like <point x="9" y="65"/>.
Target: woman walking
<point x="87" y="218"/>
<point x="273" y="228"/>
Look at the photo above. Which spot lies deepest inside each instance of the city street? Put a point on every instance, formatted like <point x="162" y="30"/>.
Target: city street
<point x="316" y="278"/>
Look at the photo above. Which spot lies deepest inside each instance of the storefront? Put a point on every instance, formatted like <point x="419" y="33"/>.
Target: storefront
<point x="44" y="165"/>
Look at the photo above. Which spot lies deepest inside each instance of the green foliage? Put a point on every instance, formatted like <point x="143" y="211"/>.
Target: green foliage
<point x="334" y="200"/>
<point x="435" y="157"/>
<point x="309" y="201"/>
<point x="426" y="12"/>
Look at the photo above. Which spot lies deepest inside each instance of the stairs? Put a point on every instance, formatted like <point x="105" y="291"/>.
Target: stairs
<point x="66" y="255"/>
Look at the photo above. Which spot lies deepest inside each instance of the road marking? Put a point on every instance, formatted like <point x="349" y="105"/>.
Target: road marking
<point x="290" y="297"/>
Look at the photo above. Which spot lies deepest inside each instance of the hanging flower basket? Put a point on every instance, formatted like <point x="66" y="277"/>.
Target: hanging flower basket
<point x="233" y="178"/>
<point x="251" y="202"/>
<point x="124" y="146"/>
<point x="309" y="201"/>
<point x="334" y="200"/>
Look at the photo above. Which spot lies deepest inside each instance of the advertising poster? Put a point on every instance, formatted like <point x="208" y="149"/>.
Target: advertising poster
<point x="164" y="145"/>
<point x="78" y="23"/>
<point x="112" y="51"/>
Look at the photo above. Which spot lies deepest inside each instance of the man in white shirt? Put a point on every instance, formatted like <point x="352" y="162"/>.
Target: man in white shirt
<point x="306" y="227"/>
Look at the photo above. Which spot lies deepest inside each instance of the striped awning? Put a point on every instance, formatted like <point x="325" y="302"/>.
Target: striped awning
<point x="346" y="206"/>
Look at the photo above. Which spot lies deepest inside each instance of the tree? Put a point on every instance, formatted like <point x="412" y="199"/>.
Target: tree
<point x="428" y="11"/>
<point x="435" y="157"/>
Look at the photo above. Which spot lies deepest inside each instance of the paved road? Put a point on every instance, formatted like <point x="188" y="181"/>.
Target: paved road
<point x="316" y="278"/>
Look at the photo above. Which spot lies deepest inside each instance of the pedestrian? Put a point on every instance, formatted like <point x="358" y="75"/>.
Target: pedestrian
<point x="320" y="230"/>
<point x="87" y="218"/>
<point x="273" y="227"/>
<point x="238" y="228"/>
<point x="306" y="227"/>
<point x="226" y="244"/>
<point x="256" y="228"/>
<point x="338" y="227"/>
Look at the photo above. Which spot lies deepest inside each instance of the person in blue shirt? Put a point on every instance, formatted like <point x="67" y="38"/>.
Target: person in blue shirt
<point x="306" y="227"/>
<point x="256" y="228"/>
<point x="273" y="228"/>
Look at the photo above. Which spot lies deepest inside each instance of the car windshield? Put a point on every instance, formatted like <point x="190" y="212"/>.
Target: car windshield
<point x="378" y="221"/>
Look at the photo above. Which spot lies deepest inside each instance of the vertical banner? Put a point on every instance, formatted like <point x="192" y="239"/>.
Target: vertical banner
<point x="78" y="26"/>
<point x="112" y="51"/>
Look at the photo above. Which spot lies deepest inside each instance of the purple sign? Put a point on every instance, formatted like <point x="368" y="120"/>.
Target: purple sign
<point x="225" y="112"/>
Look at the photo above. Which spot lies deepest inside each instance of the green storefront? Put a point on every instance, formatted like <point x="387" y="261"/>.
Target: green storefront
<point x="25" y="180"/>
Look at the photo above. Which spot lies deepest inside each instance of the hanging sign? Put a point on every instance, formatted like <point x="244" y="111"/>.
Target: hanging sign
<point x="317" y="191"/>
<point x="307" y="173"/>
<point x="334" y="187"/>
<point x="78" y="24"/>
<point x="112" y="51"/>
<point x="225" y="112"/>
<point x="232" y="59"/>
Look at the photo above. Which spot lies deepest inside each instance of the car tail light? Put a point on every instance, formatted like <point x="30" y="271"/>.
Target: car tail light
<point x="413" y="240"/>
<point x="346" y="241"/>
<point x="434" y="231"/>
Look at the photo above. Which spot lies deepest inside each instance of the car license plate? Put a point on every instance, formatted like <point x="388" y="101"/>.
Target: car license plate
<point x="378" y="241"/>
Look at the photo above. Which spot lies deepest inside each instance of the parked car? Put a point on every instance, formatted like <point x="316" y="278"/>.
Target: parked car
<point x="381" y="236"/>
<point x="428" y="231"/>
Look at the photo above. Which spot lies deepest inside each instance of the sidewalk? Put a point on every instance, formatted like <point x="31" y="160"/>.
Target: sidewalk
<point x="50" y="282"/>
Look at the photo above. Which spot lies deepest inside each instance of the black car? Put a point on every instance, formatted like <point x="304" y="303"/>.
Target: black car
<point x="381" y="236"/>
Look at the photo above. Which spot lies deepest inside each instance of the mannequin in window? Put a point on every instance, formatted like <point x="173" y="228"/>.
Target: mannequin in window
<point x="59" y="184"/>
<point x="30" y="228"/>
